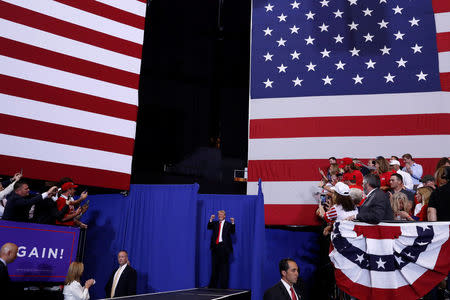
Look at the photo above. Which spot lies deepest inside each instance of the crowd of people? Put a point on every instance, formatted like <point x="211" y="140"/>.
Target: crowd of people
<point x="383" y="190"/>
<point x="56" y="206"/>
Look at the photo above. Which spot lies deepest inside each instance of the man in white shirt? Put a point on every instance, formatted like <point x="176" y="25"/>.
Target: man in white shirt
<point x="287" y="288"/>
<point x="122" y="281"/>
<point x="407" y="179"/>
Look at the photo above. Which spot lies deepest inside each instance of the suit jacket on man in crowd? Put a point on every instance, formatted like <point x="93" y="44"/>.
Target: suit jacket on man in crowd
<point x="17" y="208"/>
<point x="376" y="208"/>
<point x="6" y="289"/>
<point x="279" y="292"/>
<point x="126" y="286"/>
<point x="46" y="212"/>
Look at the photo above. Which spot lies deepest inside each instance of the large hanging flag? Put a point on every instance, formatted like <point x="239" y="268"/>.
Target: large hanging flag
<point x="69" y="78"/>
<point x="390" y="261"/>
<point x="343" y="78"/>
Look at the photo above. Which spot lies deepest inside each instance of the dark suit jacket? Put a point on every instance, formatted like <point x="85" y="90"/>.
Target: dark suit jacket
<point x="17" y="208"/>
<point x="227" y="230"/>
<point x="376" y="208"/>
<point x="126" y="285"/>
<point x="46" y="212"/>
<point x="279" y="292"/>
<point x="5" y="281"/>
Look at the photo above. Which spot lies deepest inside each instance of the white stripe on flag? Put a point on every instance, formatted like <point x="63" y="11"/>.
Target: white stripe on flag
<point x="442" y="22"/>
<point x="82" y="18"/>
<point x="131" y="6"/>
<point x="64" y="154"/>
<point x="52" y="42"/>
<point x="444" y="62"/>
<point x="361" y="105"/>
<point x="285" y="192"/>
<point x="358" y="146"/>
<point x="55" y="114"/>
<point x="33" y="72"/>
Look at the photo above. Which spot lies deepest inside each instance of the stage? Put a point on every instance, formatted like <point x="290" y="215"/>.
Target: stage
<point x="193" y="294"/>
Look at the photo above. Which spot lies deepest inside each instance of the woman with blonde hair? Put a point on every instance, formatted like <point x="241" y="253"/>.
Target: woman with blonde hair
<point x="72" y="287"/>
<point x="422" y="197"/>
<point x="401" y="206"/>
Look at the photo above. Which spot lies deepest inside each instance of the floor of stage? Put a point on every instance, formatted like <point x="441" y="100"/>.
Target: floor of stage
<point x="193" y="294"/>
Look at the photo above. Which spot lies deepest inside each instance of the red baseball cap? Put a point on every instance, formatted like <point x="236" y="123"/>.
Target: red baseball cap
<point x="347" y="161"/>
<point x="68" y="185"/>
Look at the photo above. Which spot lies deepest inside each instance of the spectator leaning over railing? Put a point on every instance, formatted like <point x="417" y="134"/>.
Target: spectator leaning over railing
<point x="4" y="192"/>
<point x="66" y="198"/>
<point x="18" y="207"/>
<point x="343" y="207"/>
<point x="376" y="206"/>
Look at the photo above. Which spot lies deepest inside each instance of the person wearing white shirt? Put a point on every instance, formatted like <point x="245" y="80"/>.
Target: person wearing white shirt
<point x="407" y="179"/>
<point x="72" y="288"/>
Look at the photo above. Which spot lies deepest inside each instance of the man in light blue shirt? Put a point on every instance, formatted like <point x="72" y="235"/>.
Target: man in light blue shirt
<point x="415" y="170"/>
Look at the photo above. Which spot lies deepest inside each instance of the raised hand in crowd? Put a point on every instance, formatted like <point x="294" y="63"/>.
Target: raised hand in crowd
<point x="52" y="191"/>
<point x="17" y="177"/>
<point x="89" y="283"/>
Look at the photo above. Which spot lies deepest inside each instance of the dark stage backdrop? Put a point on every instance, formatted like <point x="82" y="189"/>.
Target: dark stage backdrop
<point x="163" y="228"/>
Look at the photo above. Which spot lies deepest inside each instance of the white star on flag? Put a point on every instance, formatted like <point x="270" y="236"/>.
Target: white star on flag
<point x="268" y="83"/>
<point x="358" y="79"/>
<point x="297" y="81"/>
<point x="295" y="55"/>
<point x="389" y="78"/>
<point x="370" y="64"/>
<point x="422" y="76"/>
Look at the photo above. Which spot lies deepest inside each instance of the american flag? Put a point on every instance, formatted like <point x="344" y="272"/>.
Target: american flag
<point x="343" y="78"/>
<point x="69" y="74"/>
<point x="390" y="261"/>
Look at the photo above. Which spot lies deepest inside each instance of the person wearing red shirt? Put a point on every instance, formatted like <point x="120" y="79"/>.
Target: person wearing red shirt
<point x="68" y="190"/>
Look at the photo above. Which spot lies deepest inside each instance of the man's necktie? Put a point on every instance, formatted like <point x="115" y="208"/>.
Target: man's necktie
<point x="294" y="297"/>
<point x="114" y="284"/>
<point x="218" y="236"/>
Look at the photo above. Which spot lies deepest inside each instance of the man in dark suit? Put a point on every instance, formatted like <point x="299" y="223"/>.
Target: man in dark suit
<point x="8" y="254"/>
<point x="221" y="247"/>
<point x="288" y="288"/>
<point x="377" y="206"/>
<point x="17" y="208"/>
<point x="122" y="281"/>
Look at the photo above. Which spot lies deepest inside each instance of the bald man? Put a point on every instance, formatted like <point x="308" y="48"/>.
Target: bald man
<point x="8" y="254"/>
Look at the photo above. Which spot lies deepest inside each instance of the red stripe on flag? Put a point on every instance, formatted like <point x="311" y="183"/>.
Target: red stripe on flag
<point x="423" y="124"/>
<point x="378" y="232"/>
<point x="307" y="169"/>
<point x="37" y="169"/>
<point x="67" y="63"/>
<point x="62" y="28"/>
<point x="143" y="1"/>
<point x="287" y="214"/>
<point x="443" y="41"/>
<point x="61" y="134"/>
<point x="108" y="12"/>
<point x="440" y="6"/>
<point x="62" y="97"/>
<point x="445" y="81"/>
